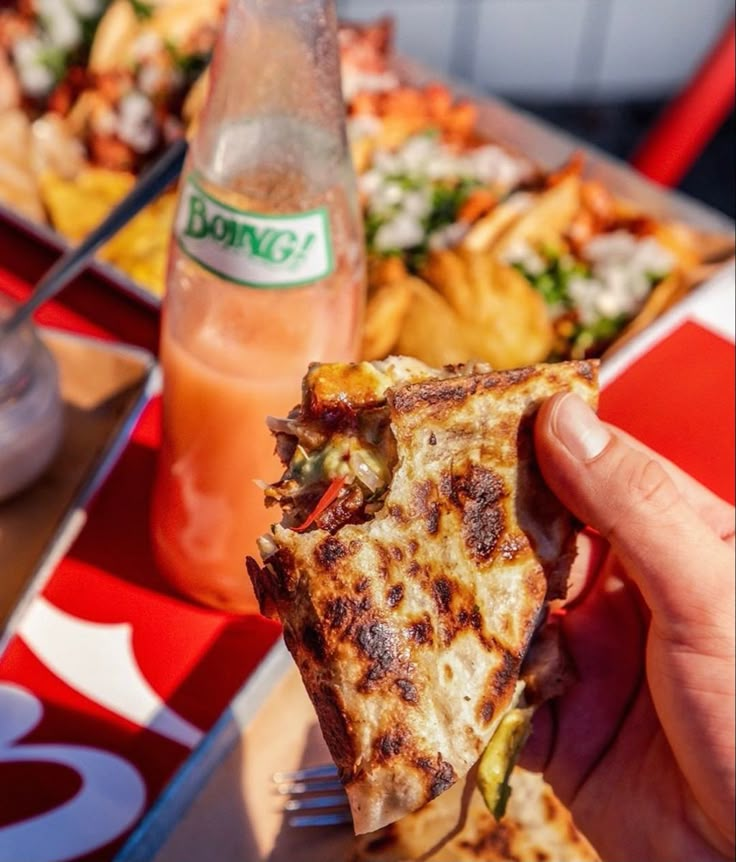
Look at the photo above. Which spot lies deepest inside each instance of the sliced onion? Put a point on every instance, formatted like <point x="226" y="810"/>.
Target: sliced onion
<point x="365" y="472"/>
<point x="267" y="546"/>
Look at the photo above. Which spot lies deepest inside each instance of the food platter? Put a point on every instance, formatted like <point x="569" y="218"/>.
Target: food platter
<point x="514" y="242"/>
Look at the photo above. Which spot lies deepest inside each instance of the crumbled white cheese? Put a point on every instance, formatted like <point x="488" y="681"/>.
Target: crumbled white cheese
<point x="417" y="202"/>
<point x="418" y="153"/>
<point x="363" y="126"/>
<point x="445" y="165"/>
<point x="402" y="183"/>
<point x="136" y="122"/>
<point x="622" y="247"/>
<point x="448" y="237"/>
<point x="36" y="78"/>
<point x="148" y="44"/>
<point x="105" y="121"/>
<point x="153" y="78"/>
<point x="584" y="294"/>
<point x="622" y="267"/>
<point x="387" y="163"/>
<point x="402" y="231"/>
<point x="62" y="27"/>
<point x="387" y="196"/>
<point x="356" y="81"/>
<point x="86" y="8"/>
<point x="491" y="164"/>
<point x="522" y="254"/>
<point x="370" y="182"/>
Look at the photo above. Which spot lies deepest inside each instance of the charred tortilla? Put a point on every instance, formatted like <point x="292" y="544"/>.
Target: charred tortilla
<point x="536" y="827"/>
<point x="418" y="548"/>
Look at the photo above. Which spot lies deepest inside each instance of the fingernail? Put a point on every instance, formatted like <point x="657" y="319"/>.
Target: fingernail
<point x="579" y="429"/>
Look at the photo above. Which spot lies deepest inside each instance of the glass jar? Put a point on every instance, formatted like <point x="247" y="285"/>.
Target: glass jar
<point x="31" y="411"/>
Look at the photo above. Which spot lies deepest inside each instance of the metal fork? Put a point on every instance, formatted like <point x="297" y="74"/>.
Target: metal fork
<point x="316" y="789"/>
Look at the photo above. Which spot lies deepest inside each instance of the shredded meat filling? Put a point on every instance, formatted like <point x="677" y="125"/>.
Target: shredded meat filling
<point x="359" y="448"/>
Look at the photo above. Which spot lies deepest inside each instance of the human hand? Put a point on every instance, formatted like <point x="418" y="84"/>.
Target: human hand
<point x="642" y="748"/>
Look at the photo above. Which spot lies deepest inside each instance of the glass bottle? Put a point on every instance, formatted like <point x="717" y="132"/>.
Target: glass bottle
<point x="266" y="274"/>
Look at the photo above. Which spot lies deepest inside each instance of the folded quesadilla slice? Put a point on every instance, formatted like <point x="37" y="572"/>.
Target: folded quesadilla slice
<point x="418" y="548"/>
<point x="536" y="827"/>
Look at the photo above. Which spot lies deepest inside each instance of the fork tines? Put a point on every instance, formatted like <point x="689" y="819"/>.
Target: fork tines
<point x="317" y="790"/>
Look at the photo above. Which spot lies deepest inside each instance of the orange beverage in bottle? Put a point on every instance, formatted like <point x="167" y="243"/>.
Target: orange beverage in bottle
<point x="266" y="275"/>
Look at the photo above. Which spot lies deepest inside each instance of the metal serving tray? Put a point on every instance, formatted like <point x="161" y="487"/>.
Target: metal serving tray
<point x="105" y="387"/>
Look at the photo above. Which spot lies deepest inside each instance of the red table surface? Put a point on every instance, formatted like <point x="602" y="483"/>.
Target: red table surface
<point x="196" y="659"/>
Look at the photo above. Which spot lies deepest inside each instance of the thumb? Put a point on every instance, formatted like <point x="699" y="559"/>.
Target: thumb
<point x="673" y="556"/>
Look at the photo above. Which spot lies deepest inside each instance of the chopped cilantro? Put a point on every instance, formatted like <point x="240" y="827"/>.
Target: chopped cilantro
<point x="447" y="199"/>
<point x="190" y="65"/>
<point x="143" y="10"/>
<point x="597" y="335"/>
<point x="446" y="203"/>
<point x="655" y="277"/>
<point x="553" y="283"/>
<point x="605" y="328"/>
<point x="373" y="222"/>
<point x="55" y="60"/>
<point x="406" y="182"/>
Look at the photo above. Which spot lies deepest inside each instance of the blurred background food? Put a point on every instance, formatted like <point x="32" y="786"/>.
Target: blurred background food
<point x="474" y="251"/>
<point x="602" y="69"/>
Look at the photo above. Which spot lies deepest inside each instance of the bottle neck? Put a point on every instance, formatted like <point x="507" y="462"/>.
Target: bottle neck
<point x="275" y="59"/>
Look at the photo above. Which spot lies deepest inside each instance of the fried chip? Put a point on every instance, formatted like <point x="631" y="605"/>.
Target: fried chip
<point x="79" y="205"/>
<point x="680" y="241"/>
<point x="432" y="331"/>
<point x="544" y="223"/>
<point x="384" y="316"/>
<point x="505" y="320"/>
<point x="385" y="270"/>
<point x="18" y="185"/>
<point x="486" y="231"/>
<point x="446" y="271"/>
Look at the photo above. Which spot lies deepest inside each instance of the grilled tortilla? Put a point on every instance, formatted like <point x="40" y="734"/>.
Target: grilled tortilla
<point x="536" y="827"/>
<point x="417" y="550"/>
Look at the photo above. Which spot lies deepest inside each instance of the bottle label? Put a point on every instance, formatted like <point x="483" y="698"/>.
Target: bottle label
<point x="266" y="251"/>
